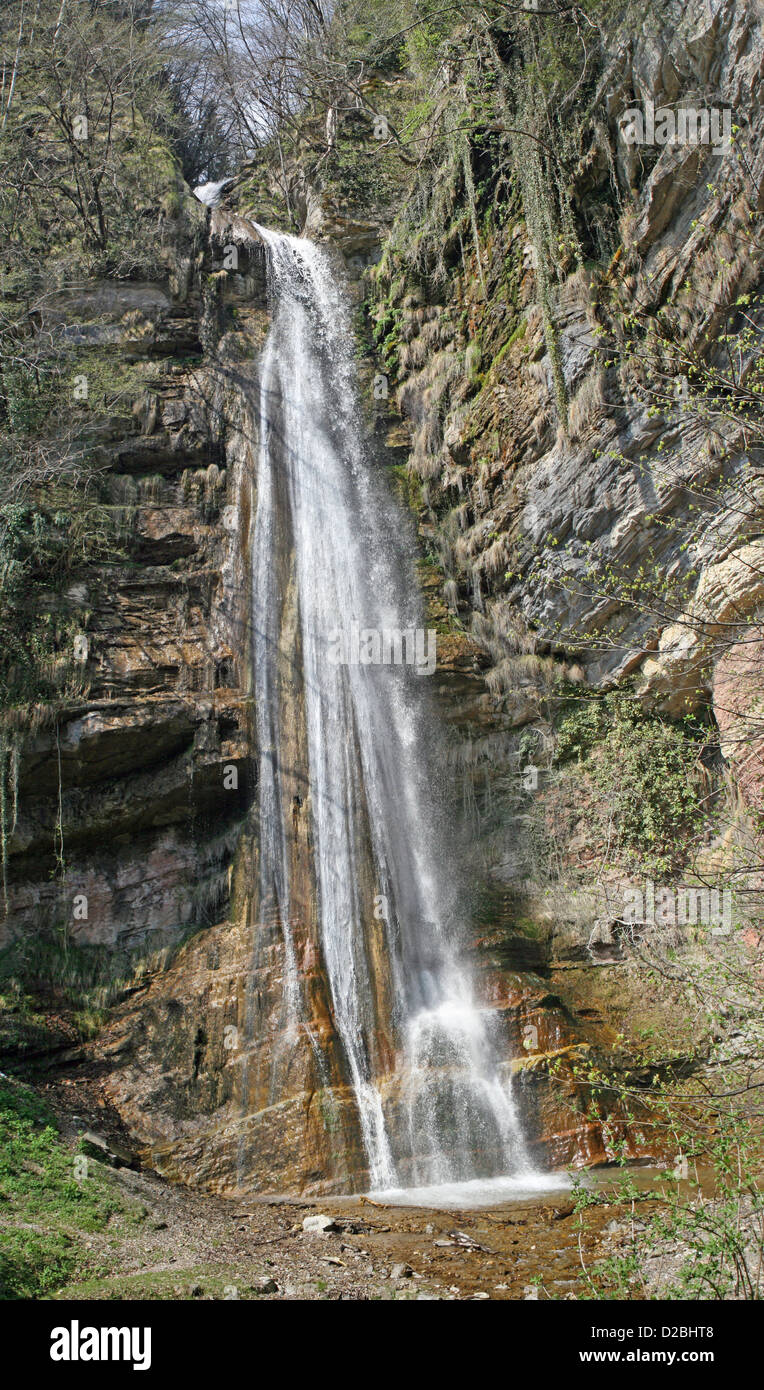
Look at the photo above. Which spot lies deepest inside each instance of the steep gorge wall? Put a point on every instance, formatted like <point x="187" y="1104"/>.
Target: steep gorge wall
<point x="550" y="487"/>
<point x="125" y="822"/>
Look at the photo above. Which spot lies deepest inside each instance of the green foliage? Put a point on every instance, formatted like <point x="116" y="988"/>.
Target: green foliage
<point x="644" y="773"/>
<point x="86" y="979"/>
<point x="394" y="35"/>
<point x="423" y="44"/>
<point x="363" y="175"/>
<point x="515" y="337"/>
<point x="702" y="1223"/>
<point x="44" y="1209"/>
<point x="52" y="517"/>
<point x="87" y="187"/>
<point x="43" y="544"/>
<point x="85" y="156"/>
<point x="386" y="330"/>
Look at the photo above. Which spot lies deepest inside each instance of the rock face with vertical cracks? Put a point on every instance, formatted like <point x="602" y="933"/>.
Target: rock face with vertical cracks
<point x="130" y="792"/>
<point x="220" y="1085"/>
<point x="212" y="1103"/>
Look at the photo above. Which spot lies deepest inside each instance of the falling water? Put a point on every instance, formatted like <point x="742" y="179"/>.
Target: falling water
<point x="435" y="1105"/>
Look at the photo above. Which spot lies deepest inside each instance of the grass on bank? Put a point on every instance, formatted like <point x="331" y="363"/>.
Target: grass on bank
<point x="46" y="1211"/>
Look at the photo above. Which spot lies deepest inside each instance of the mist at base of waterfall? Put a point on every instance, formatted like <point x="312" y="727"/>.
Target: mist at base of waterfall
<point x="475" y="1192"/>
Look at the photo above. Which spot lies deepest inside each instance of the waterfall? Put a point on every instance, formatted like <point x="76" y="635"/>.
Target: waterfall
<point x="433" y="1102"/>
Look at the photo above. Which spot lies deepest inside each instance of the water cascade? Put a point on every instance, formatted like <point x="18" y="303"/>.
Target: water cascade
<point x="434" y="1103"/>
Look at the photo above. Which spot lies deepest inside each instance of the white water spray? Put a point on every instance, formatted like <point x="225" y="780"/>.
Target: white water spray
<point x="442" y="1110"/>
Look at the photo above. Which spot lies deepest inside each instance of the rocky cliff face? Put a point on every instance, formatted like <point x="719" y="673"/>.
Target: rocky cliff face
<point x="125" y="820"/>
<point x="533" y="499"/>
<point x="207" y="1067"/>
<point x="550" y="485"/>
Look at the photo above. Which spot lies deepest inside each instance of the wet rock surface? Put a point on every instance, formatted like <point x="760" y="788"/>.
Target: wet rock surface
<point x="183" y="1244"/>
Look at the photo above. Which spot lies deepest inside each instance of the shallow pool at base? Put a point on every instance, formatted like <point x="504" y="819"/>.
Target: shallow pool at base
<point x="476" y="1192"/>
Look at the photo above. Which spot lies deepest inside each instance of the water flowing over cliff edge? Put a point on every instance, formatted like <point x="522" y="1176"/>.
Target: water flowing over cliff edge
<point x="338" y="1036"/>
<point x="385" y="910"/>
